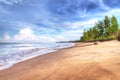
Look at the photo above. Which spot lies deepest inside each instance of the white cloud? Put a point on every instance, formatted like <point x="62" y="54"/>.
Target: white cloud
<point x="46" y="39"/>
<point x="86" y="24"/>
<point x="115" y="12"/>
<point x="89" y="23"/>
<point x="110" y="13"/>
<point x="6" y="37"/>
<point x="16" y="1"/>
<point x="26" y="34"/>
<point x="60" y="38"/>
<point x="37" y="28"/>
<point x="10" y="2"/>
<point x="102" y="5"/>
<point x="72" y="34"/>
<point x="6" y="2"/>
<point x="3" y="11"/>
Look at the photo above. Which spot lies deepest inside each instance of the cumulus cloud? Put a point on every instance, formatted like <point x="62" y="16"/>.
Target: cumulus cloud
<point x="26" y="34"/>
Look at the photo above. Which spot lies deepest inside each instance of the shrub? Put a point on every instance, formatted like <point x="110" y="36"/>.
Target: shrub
<point x="118" y="36"/>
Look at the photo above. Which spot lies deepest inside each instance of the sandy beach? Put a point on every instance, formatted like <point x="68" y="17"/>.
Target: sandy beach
<point x="84" y="61"/>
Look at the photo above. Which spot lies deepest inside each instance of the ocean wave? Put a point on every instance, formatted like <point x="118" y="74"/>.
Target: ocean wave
<point x="8" y="60"/>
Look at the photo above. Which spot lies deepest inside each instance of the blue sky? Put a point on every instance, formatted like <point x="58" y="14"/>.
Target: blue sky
<point x="51" y="20"/>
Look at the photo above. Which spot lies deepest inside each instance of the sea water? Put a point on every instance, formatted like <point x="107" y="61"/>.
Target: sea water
<point x="11" y="53"/>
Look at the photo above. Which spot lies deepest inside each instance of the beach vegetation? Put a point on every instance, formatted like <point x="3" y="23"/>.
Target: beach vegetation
<point x="118" y="36"/>
<point x="102" y="31"/>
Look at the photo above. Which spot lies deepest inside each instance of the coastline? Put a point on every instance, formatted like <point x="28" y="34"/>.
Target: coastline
<point x="8" y="60"/>
<point x="82" y="61"/>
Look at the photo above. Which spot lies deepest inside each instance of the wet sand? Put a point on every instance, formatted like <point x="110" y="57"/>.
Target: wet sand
<point x="84" y="61"/>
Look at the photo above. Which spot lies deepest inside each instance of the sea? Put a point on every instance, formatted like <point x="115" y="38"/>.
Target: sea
<point x="12" y="53"/>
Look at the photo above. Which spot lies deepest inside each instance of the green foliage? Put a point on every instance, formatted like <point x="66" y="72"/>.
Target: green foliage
<point x="107" y="25"/>
<point x="107" y="21"/>
<point x="86" y="37"/>
<point x="114" y="25"/>
<point x="102" y="30"/>
<point x="100" y="26"/>
<point x="82" y="39"/>
<point x="118" y="36"/>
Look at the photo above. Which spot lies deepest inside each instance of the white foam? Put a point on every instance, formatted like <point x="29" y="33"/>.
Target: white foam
<point x="8" y="60"/>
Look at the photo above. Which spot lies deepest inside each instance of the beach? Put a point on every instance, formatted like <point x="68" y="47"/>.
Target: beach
<point x="84" y="61"/>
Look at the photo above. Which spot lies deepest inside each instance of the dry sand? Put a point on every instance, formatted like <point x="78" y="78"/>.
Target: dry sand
<point x="84" y="61"/>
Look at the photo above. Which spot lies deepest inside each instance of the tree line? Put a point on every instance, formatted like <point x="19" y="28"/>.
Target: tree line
<point x="102" y="30"/>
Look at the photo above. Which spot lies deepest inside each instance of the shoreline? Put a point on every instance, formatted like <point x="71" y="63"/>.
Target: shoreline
<point x="36" y="51"/>
<point x="82" y="61"/>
